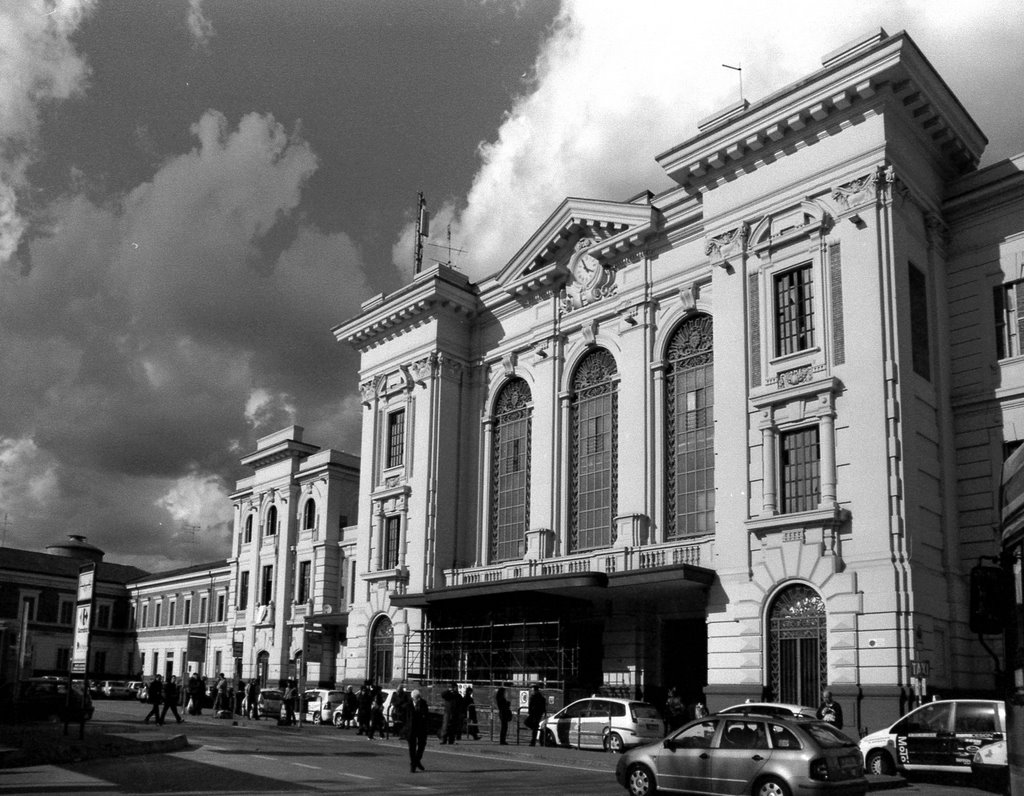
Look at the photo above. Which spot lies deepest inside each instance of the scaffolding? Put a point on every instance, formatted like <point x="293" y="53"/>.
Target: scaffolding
<point x="494" y="653"/>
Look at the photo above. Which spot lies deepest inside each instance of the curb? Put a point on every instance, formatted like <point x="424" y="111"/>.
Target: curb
<point x="43" y="748"/>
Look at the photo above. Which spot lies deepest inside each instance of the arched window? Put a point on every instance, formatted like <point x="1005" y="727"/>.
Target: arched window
<point x="248" y="528"/>
<point x="271" y="526"/>
<point x="510" y="471"/>
<point x="262" y="668"/>
<point x="382" y="650"/>
<point x="593" y="473"/>
<point x="797" y="646"/>
<point x="309" y="515"/>
<point x="690" y="430"/>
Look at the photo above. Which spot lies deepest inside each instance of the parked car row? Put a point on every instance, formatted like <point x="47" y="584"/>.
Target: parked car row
<point x="45" y="699"/>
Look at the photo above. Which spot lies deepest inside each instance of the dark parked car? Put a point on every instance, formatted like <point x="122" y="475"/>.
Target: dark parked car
<point x="45" y="699"/>
<point x="732" y="753"/>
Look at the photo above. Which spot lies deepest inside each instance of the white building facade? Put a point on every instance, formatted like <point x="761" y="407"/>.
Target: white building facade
<point x="741" y="438"/>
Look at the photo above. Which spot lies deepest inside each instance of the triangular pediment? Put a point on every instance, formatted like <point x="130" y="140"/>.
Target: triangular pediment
<point x="614" y="228"/>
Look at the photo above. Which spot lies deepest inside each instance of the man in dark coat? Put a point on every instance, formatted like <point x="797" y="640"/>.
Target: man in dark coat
<point x="364" y="709"/>
<point x="196" y="693"/>
<point x="171" y="696"/>
<point x="452" y="713"/>
<point x="830" y="711"/>
<point x="252" y="700"/>
<point x="155" y="697"/>
<point x="417" y="721"/>
<point x="399" y="705"/>
<point x="504" y="715"/>
<point x="535" y="711"/>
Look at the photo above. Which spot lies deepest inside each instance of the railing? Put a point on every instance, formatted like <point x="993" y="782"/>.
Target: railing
<point x="693" y="552"/>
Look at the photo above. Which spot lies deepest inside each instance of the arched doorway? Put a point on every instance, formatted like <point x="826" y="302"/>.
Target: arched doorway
<point x="262" y="668"/>
<point x="382" y="650"/>
<point x="797" y="646"/>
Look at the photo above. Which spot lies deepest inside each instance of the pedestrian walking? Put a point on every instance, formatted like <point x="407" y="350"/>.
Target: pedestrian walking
<point x="220" y="701"/>
<point x="399" y="703"/>
<point x="830" y="711"/>
<point x="364" y="709"/>
<point x="155" y="696"/>
<point x="535" y="710"/>
<point x="417" y="721"/>
<point x="291" y="696"/>
<point x="195" y="694"/>
<point x="469" y="708"/>
<point x="675" y="710"/>
<point x="252" y="700"/>
<point x="452" y="709"/>
<point x="348" y="711"/>
<point x="171" y="696"/>
<point x="378" y="723"/>
<point x="504" y="715"/>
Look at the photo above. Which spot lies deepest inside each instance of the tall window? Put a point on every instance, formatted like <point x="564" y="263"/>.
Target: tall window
<point x="382" y="650"/>
<point x="800" y="484"/>
<point x="303" y="593"/>
<point x="103" y="615"/>
<point x="271" y="527"/>
<point x="247" y="536"/>
<point x="63" y="659"/>
<point x="794" y="311"/>
<point x="1008" y="301"/>
<point x="510" y="471"/>
<point x="203" y="605"/>
<point x="267" y="584"/>
<point x="145" y="615"/>
<point x="396" y="438"/>
<point x="221" y="606"/>
<point x="187" y="618"/>
<point x="243" y="591"/>
<point x="921" y="357"/>
<point x="309" y="515"/>
<point x="690" y="431"/>
<point x="392" y="534"/>
<point x="594" y="452"/>
<point x="797" y="651"/>
<point x="67" y="612"/>
<point x="156" y="620"/>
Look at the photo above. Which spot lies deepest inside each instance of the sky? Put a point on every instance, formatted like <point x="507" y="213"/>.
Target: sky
<point x="194" y="192"/>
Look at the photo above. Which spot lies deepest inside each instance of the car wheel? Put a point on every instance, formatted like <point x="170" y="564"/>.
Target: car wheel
<point x="317" y="718"/>
<point x="640" y="781"/>
<point x="550" y="739"/>
<point x="338" y="721"/>
<point x="613" y="743"/>
<point x="771" y="787"/>
<point x="878" y="762"/>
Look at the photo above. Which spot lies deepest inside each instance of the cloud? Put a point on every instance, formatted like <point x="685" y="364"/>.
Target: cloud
<point x="159" y="333"/>
<point x="39" y="64"/>
<point x="616" y="84"/>
<point x="198" y="25"/>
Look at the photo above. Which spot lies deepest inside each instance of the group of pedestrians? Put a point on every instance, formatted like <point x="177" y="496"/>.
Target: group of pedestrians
<point x="161" y="697"/>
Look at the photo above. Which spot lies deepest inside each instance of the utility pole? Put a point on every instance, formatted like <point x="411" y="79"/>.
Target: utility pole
<point x="422" y="231"/>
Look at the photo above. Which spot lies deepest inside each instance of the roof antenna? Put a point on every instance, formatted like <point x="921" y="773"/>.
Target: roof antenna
<point x="422" y="231"/>
<point x="739" y="70"/>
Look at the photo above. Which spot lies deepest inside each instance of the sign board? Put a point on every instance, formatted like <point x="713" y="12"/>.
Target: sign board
<point x="237" y="649"/>
<point x="196" y="650"/>
<point x="314" y="645"/>
<point x="920" y="668"/>
<point x="83" y="619"/>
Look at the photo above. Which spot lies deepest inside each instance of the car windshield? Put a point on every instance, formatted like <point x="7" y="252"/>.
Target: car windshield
<point x="827" y="736"/>
<point x="335" y="696"/>
<point x="270" y="694"/>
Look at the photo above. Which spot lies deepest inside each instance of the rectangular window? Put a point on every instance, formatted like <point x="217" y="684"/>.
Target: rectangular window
<point x="156" y="616"/>
<point x="510" y="510"/>
<point x="63" y="659"/>
<point x="243" y="591"/>
<point x="99" y="662"/>
<point x="919" y="338"/>
<point x="396" y="438"/>
<point x="67" y="612"/>
<point x="217" y="661"/>
<point x="221" y="599"/>
<point x="202" y="609"/>
<point x="247" y="537"/>
<point x="187" y="618"/>
<point x="794" y="311"/>
<point x="103" y="615"/>
<point x="303" y="594"/>
<point x="392" y="531"/>
<point x="800" y="486"/>
<point x="267" y="584"/>
<point x="145" y="615"/>
<point x="1008" y="299"/>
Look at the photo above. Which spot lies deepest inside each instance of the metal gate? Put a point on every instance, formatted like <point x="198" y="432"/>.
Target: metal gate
<point x="797" y="646"/>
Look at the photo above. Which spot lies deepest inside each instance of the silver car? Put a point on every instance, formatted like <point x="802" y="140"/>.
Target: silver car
<point x="731" y="753"/>
<point x="603" y="723"/>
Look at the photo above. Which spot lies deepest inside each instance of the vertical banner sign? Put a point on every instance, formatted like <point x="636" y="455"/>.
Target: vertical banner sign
<point x="83" y="619"/>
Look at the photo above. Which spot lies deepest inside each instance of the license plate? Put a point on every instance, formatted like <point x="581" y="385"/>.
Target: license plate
<point x="849" y="761"/>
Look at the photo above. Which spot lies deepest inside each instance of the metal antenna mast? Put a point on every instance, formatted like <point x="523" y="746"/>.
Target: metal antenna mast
<point x="739" y="70"/>
<point x="422" y="231"/>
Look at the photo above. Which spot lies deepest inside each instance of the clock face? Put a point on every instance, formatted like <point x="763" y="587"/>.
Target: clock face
<point x="586" y="269"/>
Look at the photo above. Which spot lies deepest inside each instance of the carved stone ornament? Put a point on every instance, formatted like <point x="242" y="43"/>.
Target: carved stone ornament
<point x="859" y="192"/>
<point x="590" y="279"/>
<point x="368" y="390"/>
<point x="794" y="377"/>
<point x="508" y="363"/>
<point x="732" y="243"/>
<point x="423" y="369"/>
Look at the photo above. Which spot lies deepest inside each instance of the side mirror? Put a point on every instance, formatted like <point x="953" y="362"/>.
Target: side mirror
<point x="669" y="744"/>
